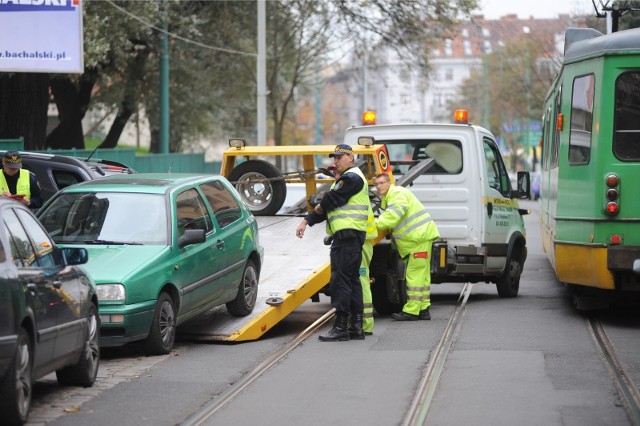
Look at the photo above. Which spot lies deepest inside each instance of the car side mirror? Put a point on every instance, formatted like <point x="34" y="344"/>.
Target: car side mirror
<point x="524" y="185"/>
<point x="191" y="236"/>
<point x="75" y="255"/>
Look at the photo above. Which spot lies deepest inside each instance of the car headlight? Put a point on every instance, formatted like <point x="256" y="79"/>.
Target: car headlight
<point x="111" y="292"/>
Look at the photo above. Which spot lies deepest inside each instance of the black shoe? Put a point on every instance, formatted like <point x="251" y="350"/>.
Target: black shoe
<point x="368" y="333"/>
<point x="403" y="316"/>
<point x="424" y="314"/>
<point x="340" y="330"/>
<point x="355" y="328"/>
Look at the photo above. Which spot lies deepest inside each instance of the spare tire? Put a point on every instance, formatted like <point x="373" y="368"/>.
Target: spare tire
<point x="260" y="185"/>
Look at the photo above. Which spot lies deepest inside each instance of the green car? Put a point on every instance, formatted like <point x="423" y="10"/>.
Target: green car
<point x="163" y="248"/>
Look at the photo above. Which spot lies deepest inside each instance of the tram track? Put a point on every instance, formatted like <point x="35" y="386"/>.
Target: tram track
<point x="419" y="407"/>
<point x="417" y="413"/>
<point x="627" y="391"/>
<point x="215" y="405"/>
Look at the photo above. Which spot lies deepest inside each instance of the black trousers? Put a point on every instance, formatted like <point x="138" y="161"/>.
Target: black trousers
<point x="346" y="255"/>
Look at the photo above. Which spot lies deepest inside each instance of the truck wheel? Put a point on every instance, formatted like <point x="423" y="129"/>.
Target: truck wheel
<point x="163" y="327"/>
<point x="260" y="186"/>
<point x="16" y="388"/>
<point x="378" y="271"/>
<point x="85" y="371"/>
<point x="245" y="301"/>
<point x="509" y="283"/>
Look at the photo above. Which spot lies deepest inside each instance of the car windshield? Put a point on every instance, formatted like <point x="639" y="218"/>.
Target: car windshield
<point x="106" y="218"/>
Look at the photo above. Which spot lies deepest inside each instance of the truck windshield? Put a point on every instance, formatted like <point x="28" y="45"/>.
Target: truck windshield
<point x="404" y="154"/>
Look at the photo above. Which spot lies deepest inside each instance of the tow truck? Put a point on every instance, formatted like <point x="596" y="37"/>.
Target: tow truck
<point x="456" y="170"/>
<point x="294" y="270"/>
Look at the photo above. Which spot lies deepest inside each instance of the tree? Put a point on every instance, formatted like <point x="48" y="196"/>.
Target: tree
<point x="212" y="52"/>
<point x="510" y="88"/>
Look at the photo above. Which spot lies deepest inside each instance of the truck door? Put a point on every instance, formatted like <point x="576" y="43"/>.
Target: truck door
<point x="499" y="212"/>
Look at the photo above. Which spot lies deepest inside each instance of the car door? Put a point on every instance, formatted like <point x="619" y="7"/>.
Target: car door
<point x="40" y="292"/>
<point x="230" y="229"/>
<point x="65" y="282"/>
<point x="201" y="266"/>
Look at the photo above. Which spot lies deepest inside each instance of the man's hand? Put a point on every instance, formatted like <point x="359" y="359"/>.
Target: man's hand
<point x="301" y="228"/>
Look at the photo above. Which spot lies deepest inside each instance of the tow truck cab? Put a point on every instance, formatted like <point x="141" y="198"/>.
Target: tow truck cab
<point x="468" y="193"/>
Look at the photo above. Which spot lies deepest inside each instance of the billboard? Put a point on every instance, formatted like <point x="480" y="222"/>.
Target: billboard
<point x="41" y="36"/>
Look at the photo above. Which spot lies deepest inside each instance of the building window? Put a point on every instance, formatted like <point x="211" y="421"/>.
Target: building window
<point x="485" y="32"/>
<point x="448" y="74"/>
<point x="448" y="47"/>
<point x="467" y="47"/>
<point x="465" y="33"/>
<point x="487" y="46"/>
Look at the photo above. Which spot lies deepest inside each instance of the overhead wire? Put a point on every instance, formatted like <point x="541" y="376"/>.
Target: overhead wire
<point x="178" y="37"/>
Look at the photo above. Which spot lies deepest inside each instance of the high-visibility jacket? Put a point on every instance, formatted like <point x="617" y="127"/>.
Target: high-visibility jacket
<point x="410" y="223"/>
<point x="23" y="185"/>
<point x="355" y="214"/>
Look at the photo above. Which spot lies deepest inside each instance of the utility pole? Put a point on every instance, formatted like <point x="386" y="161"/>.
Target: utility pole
<point x="164" y="82"/>
<point x="262" y="75"/>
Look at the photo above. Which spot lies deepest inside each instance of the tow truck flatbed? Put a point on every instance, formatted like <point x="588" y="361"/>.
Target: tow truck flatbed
<point x="293" y="270"/>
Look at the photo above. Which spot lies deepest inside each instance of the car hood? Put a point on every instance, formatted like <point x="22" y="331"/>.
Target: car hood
<point x="113" y="263"/>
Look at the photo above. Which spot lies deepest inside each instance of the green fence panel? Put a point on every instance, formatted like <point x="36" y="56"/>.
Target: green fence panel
<point x="12" y="144"/>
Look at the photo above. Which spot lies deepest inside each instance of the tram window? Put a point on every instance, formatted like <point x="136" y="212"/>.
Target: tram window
<point x="626" y="145"/>
<point x="556" y="133"/>
<point x="581" y="119"/>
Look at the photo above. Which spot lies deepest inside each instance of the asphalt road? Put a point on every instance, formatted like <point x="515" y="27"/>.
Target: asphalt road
<point x="527" y="361"/>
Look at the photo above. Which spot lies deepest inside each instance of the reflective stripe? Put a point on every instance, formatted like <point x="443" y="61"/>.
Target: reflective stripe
<point x="411" y="228"/>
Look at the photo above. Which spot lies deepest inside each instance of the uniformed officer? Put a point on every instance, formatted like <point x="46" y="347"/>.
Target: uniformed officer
<point x="413" y="232"/>
<point x="17" y="183"/>
<point x="346" y="209"/>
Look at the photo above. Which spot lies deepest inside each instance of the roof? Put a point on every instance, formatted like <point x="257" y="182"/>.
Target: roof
<point x="584" y="42"/>
<point x="480" y="36"/>
<point x="157" y="183"/>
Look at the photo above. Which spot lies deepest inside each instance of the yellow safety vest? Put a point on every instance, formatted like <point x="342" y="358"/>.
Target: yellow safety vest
<point x="355" y="214"/>
<point x="23" y="185"/>
<point x="410" y="223"/>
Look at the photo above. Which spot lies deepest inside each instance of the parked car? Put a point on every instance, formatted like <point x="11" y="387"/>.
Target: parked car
<point x="55" y="172"/>
<point x="163" y="248"/>
<point x="48" y="312"/>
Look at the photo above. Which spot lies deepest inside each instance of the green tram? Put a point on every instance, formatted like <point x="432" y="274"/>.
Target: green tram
<point x="590" y="177"/>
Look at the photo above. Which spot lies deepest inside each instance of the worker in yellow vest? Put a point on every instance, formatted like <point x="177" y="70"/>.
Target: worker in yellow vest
<point x="413" y="232"/>
<point x="346" y="209"/>
<point x="18" y="183"/>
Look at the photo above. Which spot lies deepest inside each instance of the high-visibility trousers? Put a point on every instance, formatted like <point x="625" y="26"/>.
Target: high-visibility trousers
<point x="367" y="253"/>
<point x="418" y="279"/>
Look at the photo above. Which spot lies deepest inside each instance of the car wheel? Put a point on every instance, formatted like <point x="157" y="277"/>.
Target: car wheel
<point x="85" y="371"/>
<point x="16" y="387"/>
<point x="163" y="327"/>
<point x="260" y="186"/>
<point x="245" y="300"/>
<point x="509" y="283"/>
